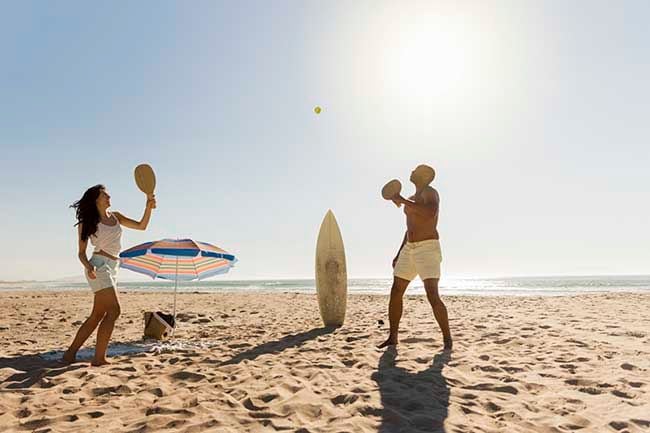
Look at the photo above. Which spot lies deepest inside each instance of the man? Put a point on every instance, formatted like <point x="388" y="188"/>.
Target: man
<point x="419" y="254"/>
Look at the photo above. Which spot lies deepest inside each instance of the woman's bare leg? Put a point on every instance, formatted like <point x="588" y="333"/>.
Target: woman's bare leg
<point x="100" y="306"/>
<point x="106" y="326"/>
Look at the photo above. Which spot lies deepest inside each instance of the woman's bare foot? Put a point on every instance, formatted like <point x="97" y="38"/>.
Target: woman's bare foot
<point x="99" y="363"/>
<point x="69" y="357"/>
<point x="392" y="341"/>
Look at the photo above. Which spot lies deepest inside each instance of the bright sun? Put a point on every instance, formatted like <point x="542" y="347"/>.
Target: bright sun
<point x="430" y="58"/>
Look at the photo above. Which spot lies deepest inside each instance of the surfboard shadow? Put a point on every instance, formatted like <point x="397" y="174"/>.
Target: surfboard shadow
<point x="412" y="401"/>
<point x="277" y="346"/>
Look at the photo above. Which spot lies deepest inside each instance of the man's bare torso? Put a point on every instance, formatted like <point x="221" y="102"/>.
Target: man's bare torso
<point x="419" y="227"/>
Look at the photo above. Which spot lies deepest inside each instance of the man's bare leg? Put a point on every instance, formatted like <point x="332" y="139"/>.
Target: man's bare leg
<point x="395" y="309"/>
<point x="439" y="309"/>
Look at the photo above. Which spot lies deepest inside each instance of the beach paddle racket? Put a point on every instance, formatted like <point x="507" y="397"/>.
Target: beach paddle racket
<point x="391" y="189"/>
<point x="145" y="178"/>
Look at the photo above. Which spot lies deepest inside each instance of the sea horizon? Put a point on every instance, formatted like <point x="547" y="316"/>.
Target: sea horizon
<point x="474" y="286"/>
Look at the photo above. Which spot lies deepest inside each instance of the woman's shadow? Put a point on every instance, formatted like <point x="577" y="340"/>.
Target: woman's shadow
<point x="412" y="401"/>
<point x="32" y="370"/>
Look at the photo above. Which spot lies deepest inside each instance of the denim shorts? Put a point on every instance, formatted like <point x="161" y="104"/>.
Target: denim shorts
<point x="105" y="272"/>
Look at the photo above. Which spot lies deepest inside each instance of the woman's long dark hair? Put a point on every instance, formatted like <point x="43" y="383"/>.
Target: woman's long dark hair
<point x="87" y="213"/>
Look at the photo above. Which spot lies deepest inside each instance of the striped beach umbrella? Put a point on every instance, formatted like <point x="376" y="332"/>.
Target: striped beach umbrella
<point x="177" y="260"/>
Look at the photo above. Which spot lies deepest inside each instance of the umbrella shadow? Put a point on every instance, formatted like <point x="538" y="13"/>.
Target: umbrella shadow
<point x="32" y="369"/>
<point x="277" y="346"/>
<point x="412" y="401"/>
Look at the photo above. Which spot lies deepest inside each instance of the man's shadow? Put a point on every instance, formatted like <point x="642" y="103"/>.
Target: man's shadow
<point x="277" y="346"/>
<point x="412" y="401"/>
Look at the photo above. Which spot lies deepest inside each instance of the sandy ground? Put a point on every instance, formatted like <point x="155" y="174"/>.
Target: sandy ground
<point x="263" y="362"/>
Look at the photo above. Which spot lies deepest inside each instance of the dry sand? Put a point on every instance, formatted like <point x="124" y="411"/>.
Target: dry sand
<point x="262" y="362"/>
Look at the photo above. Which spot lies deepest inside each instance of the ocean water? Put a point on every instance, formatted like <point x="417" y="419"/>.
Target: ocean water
<point x="511" y="286"/>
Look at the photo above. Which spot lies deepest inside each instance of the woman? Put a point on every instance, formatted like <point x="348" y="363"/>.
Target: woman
<point x="104" y="230"/>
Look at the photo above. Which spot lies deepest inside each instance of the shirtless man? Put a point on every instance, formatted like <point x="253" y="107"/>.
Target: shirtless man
<point x="419" y="254"/>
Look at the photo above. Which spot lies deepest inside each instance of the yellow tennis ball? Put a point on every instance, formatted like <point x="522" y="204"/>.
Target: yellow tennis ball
<point x="317" y="109"/>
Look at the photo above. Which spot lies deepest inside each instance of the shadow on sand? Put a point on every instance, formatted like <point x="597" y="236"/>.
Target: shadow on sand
<point x="277" y="346"/>
<point x="37" y="368"/>
<point x="413" y="401"/>
<point x="32" y="370"/>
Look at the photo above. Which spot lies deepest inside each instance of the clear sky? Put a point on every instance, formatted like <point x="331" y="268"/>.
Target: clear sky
<point x="535" y="115"/>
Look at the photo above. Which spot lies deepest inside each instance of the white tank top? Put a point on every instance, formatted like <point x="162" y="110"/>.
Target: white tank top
<point x="108" y="238"/>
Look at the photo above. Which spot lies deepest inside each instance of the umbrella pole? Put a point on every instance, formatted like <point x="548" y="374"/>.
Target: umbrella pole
<point x="175" y="290"/>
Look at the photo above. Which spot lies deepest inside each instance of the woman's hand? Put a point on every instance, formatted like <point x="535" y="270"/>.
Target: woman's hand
<point x="395" y="261"/>
<point x="90" y="270"/>
<point x="151" y="201"/>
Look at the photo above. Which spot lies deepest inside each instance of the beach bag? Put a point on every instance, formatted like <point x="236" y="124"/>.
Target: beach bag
<point x="158" y="325"/>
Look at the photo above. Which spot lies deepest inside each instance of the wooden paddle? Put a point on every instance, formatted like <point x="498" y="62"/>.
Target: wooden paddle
<point x="391" y="189"/>
<point x="145" y="178"/>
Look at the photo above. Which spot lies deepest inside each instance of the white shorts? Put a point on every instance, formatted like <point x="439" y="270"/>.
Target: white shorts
<point x="419" y="258"/>
<point x="105" y="271"/>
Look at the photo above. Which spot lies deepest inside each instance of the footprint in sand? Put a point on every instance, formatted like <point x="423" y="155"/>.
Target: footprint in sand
<point x="641" y="422"/>
<point x="577" y="342"/>
<point x="117" y="390"/>
<point x="36" y="424"/>
<point x="160" y="410"/>
<point x="23" y="413"/>
<point x="492" y="407"/>
<point x="492" y="387"/>
<point x="590" y="390"/>
<point x="71" y="390"/>
<point x="238" y="345"/>
<point x="352" y="339"/>
<point x="618" y="425"/>
<point x="635" y="334"/>
<point x="621" y="394"/>
<point x="187" y="376"/>
<point x="158" y="392"/>
<point x="580" y="382"/>
<point x="487" y="368"/>
<point x="344" y="399"/>
<point x="626" y="366"/>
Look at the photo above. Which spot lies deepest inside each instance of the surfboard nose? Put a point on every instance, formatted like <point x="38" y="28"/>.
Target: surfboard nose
<point x="329" y="218"/>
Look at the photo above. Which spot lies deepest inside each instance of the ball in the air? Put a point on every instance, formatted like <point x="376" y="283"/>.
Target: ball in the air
<point x="317" y="109"/>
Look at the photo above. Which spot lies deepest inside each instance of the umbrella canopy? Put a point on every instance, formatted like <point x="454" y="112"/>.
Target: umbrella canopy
<point x="177" y="259"/>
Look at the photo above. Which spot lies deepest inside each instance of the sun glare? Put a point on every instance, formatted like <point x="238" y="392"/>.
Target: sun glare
<point x="429" y="60"/>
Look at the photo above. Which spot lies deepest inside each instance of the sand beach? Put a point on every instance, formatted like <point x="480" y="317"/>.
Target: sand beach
<point x="262" y="362"/>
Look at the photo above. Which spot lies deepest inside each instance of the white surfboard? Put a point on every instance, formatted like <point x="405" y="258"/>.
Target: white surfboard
<point x="331" y="272"/>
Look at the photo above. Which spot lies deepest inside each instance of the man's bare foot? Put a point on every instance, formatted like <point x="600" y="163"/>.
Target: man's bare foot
<point x="99" y="363"/>
<point x="69" y="358"/>
<point x="448" y="343"/>
<point x="390" y="342"/>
